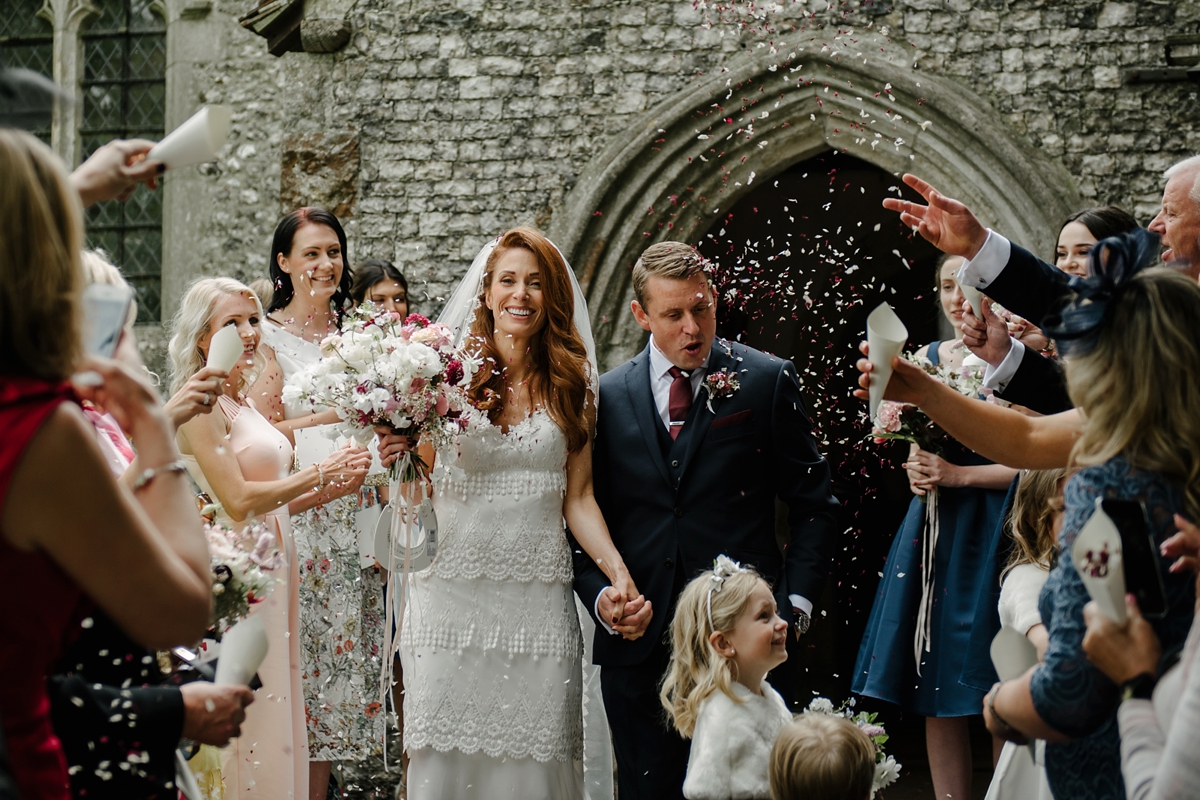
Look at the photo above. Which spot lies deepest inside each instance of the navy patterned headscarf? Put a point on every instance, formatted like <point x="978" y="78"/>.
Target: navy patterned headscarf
<point x="1112" y="263"/>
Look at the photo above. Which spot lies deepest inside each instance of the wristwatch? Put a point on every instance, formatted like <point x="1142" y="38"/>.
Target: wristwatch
<point x="801" y="621"/>
<point x="1139" y="688"/>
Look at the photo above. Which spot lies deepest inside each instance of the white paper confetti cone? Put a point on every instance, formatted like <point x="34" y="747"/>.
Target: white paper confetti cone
<point x="1097" y="558"/>
<point x="886" y="336"/>
<point x="225" y="348"/>
<point x="196" y="141"/>
<point x="974" y="297"/>
<point x="1012" y="653"/>
<point x="243" y="649"/>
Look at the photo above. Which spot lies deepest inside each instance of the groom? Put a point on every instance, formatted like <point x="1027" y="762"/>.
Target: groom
<point x="687" y="466"/>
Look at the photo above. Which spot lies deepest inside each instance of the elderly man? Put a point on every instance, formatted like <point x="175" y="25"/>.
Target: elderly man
<point x="1024" y="284"/>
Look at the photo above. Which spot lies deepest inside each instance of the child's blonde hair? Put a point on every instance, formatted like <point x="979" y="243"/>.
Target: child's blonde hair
<point x="710" y="603"/>
<point x="822" y="757"/>
<point x="1031" y="523"/>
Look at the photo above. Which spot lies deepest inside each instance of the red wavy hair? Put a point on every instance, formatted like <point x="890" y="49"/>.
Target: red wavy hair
<point x="559" y="359"/>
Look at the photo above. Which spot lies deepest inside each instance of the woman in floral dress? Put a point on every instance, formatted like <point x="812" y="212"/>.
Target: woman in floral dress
<point x="342" y="611"/>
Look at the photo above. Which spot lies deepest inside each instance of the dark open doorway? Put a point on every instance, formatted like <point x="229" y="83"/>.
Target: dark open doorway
<point x="802" y="261"/>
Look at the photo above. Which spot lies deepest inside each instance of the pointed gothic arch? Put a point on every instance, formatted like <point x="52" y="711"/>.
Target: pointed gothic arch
<point x="662" y="181"/>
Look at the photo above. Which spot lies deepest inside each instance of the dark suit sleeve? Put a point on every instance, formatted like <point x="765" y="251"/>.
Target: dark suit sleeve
<point x="1038" y="384"/>
<point x="802" y="482"/>
<point x="1029" y="286"/>
<point x="156" y="712"/>
<point x="98" y="722"/>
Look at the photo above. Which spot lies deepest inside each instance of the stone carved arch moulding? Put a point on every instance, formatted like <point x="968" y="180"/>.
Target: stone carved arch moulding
<point x="662" y="181"/>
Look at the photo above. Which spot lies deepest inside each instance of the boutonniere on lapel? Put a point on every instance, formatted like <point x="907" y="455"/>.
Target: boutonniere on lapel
<point x="720" y="384"/>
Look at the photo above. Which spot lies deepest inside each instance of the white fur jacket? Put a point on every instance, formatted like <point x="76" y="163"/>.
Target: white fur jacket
<point x="731" y="745"/>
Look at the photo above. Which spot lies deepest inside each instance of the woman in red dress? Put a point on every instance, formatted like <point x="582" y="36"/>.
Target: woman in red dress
<point x="144" y="563"/>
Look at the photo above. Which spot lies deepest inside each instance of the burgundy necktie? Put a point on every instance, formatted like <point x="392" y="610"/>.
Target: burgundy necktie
<point x="680" y="400"/>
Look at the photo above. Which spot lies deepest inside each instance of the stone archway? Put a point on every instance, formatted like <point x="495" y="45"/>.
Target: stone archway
<point x="661" y="180"/>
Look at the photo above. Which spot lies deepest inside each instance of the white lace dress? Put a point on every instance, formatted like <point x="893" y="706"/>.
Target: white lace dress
<point x="491" y="643"/>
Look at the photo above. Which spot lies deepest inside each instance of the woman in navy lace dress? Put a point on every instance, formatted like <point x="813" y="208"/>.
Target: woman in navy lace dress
<point x="1133" y="369"/>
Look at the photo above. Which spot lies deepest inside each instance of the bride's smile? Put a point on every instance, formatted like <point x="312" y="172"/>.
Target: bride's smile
<point x="515" y="296"/>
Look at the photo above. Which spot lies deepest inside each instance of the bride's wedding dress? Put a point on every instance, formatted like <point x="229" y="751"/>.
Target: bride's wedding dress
<point x="491" y="643"/>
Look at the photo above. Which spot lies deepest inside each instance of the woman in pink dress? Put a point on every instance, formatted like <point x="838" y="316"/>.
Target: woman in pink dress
<point x="243" y="463"/>
<point x="146" y="567"/>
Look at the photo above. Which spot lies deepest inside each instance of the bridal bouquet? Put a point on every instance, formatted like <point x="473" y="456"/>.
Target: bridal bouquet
<point x="887" y="769"/>
<point x="240" y="562"/>
<point x="379" y="370"/>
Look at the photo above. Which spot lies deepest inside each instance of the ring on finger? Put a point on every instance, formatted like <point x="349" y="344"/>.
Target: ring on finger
<point x="207" y="398"/>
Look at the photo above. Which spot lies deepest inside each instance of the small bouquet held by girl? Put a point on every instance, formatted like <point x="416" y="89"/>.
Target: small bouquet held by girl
<point x="381" y="371"/>
<point x="241" y="562"/>
<point x="725" y="638"/>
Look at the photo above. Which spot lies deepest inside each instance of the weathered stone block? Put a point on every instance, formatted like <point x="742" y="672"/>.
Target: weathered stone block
<point x="320" y="169"/>
<point x="1117" y="15"/>
<point x="475" y="88"/>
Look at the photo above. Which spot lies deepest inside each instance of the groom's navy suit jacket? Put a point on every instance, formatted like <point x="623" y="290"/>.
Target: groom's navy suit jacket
<point x="673" y="507"/>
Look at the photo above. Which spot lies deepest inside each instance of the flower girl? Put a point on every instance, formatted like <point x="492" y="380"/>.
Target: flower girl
<point x="725" y="638"/>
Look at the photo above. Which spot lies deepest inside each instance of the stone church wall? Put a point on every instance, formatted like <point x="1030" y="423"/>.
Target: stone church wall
<point x="450" y="121"/>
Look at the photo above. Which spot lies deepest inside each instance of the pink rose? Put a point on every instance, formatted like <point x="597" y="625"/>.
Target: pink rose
<point x="443" y="405"/>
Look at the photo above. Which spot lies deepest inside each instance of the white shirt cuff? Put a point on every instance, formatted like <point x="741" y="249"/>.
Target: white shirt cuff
<point x="988" y="263"/>
<point x="802" y="603"/>
<point x="996" y="378"/>
<point x="596" y="613"/>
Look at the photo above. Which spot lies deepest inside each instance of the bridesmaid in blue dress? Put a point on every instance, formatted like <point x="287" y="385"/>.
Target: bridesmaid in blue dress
<point x="970" y="497"/>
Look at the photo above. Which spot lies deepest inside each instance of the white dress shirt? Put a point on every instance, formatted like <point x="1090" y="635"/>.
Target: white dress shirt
<point x="661" y="380"/>
<point x="979" y="272"/>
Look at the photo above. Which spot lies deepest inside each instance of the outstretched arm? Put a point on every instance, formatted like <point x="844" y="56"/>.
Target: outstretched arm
<point x="947" y="224"/>
<point x="1005" y="436"/>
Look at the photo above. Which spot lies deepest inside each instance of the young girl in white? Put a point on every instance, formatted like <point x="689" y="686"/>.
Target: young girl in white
<point x="725" y="638"/>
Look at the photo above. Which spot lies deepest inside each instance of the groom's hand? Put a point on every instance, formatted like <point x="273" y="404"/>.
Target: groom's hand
<point x="630" y="620"/>
<point x="633" y="624"/>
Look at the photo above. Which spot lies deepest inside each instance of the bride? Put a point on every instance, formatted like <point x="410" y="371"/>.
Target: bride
<point x="490" y="642"/>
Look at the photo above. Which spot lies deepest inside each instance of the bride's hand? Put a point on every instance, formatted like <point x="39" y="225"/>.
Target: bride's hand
<point x="621" y="606"/>
<point x="392" y="445"/>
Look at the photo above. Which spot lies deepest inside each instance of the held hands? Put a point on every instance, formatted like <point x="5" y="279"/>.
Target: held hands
<point x="1122" y="652"/>
<point x="214" y="714"/>
<point x="115" y="170"/>
<point x="628" y="612"/>
<point x="947" y="224"/>
<point x="198" y="396"/>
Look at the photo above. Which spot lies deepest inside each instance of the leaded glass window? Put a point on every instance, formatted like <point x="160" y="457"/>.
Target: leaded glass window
<point x="124" y="87"/>
<point x="27" y="41"/>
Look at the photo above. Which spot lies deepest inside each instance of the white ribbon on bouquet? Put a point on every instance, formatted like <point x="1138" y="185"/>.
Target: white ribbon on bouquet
<point x="922" y="639"/>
